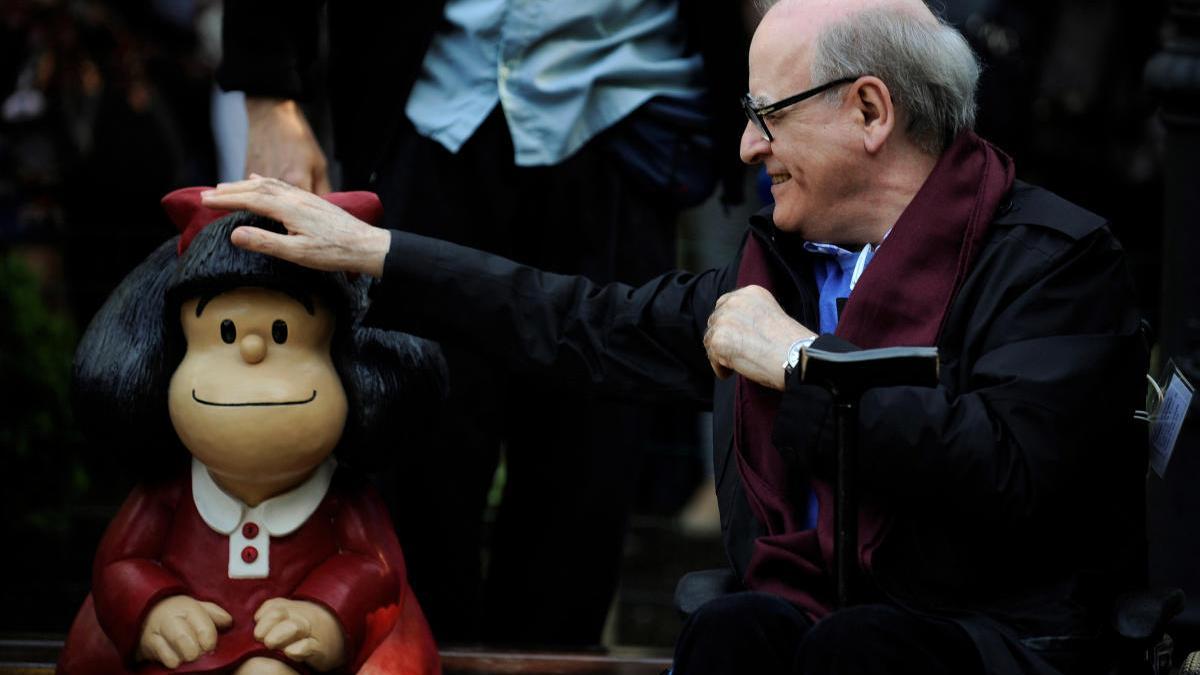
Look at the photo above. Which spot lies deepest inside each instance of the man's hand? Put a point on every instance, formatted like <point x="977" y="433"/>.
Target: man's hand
<point x="320" y="235"/>
<point x="749" y="333"/>
<point x="280" y="144"/>
<point x="305" y="631"/>
<point x="179" y="629"/>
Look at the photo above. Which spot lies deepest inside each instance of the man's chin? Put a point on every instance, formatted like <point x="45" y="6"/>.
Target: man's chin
<point x="785" y="220"/>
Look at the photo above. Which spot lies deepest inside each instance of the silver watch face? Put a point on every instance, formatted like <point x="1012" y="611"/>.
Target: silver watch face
<point x="794" y="351"/>
<point x="794" y="354"/>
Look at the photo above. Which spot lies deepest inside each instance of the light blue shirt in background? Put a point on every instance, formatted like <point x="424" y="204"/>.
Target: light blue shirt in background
<point x="563" y="70"/>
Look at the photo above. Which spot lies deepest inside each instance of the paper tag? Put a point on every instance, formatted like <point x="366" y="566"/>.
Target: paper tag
<point x="1164" y="430"/>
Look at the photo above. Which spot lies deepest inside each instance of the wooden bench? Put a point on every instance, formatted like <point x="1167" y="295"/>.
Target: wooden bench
<point x="37" y="657"/>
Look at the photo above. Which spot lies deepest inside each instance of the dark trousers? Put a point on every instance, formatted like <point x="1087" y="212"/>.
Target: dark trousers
<point x="571" y="457"/>
<point x="766" y="635"/>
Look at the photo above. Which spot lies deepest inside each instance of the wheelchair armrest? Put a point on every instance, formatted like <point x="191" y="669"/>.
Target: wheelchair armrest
<point x="697" y="588"/>
<point x="1142" y="615"/>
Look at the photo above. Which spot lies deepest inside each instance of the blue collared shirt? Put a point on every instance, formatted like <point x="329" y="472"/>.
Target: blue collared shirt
<point x="562" y="71"/>
<point x="836" y="272"/>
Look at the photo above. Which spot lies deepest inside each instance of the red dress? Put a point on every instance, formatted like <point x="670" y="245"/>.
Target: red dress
<point x="344" y="557"/>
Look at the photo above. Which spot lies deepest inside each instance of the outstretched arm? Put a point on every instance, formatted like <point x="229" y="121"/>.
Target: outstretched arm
<point x="644" y="341"/>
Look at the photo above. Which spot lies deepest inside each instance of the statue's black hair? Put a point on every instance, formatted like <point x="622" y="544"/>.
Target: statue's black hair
<point x="123" y="366"/>
<point x="212" y="265"/>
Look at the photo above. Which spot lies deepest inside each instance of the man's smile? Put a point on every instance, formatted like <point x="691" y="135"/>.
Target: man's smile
<point x="253" y="403"/>
<point x="777" y="178"/>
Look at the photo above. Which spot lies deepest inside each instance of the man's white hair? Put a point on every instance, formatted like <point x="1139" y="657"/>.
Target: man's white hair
<point x="763" y="6"/>
<point x="928" y="67"/>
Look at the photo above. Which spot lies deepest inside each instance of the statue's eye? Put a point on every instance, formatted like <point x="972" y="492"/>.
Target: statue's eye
<point x="279" y="331"/>
<point x="228" y="331"/>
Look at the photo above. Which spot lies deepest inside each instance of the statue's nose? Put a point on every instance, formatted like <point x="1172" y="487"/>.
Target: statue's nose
<point x="254" y="348"/>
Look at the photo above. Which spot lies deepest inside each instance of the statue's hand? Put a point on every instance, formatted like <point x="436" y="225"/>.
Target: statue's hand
<point x="305" y="631"/>
<point x="179" y="629"/>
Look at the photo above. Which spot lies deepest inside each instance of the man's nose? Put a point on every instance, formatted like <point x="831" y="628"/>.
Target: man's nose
<point x="754" y="147"/>
<point x="254" y="348"/>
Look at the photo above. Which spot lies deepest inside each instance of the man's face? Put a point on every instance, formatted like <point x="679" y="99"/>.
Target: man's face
<point x="811" y="159"/>
<point x="256" y="397"/>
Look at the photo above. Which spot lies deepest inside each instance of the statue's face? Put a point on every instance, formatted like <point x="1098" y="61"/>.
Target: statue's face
<point x="256" y="397"/>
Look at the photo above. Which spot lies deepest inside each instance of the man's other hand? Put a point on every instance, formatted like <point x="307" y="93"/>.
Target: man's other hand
<point x="749" y="334"/>
<point x="320" y="235"/>
<point x="280" y="144"/>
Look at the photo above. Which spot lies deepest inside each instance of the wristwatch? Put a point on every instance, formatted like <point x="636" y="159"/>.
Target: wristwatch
<point x="794" y="352"/>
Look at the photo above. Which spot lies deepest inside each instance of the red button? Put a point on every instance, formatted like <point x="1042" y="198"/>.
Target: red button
<point x="249" y="554"/>
<point x="250" y="530"/>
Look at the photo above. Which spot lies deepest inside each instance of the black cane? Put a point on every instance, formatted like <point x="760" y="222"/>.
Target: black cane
<point x="847" y="375"/>
<point x="845" y="504"/>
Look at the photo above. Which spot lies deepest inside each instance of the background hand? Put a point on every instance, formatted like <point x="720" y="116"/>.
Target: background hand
<point x="320" y="235"/>
<point x="179" y="629"/>
<point x="281" y="144"/>
<point x="305" y="631"/>
<point x="749" y="333"/>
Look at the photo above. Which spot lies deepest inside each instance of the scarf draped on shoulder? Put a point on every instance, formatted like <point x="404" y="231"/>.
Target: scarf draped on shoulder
<point x="901" y="299"/>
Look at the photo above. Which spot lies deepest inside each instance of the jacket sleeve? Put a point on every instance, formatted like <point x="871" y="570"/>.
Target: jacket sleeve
<point x="268" y="46"/>
<point x="128" y="578"/>
<point x="1055" y="382"/>
<point x="638" y="342"/>
<point x="360" y="578"/>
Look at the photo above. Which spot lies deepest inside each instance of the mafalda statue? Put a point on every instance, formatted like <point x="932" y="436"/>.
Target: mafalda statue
<point x="263" y="552"/>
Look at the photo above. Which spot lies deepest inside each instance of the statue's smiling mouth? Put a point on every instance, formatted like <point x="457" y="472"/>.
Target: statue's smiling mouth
<point x="197" y="399"/>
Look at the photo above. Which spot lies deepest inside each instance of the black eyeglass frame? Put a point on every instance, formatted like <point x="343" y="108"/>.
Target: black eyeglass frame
<point x="756" y="114"/>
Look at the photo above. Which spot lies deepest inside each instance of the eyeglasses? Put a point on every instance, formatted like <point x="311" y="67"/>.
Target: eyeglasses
<point x="757" y="114"/>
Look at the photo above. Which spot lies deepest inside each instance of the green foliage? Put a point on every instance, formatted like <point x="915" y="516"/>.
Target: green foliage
<point x="40" y="461"/>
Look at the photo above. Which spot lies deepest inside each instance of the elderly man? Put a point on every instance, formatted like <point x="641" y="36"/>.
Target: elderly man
<point x="1001" y="506"/>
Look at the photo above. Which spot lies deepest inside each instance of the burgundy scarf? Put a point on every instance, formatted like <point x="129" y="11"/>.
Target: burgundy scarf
<point x="902" y="299"/>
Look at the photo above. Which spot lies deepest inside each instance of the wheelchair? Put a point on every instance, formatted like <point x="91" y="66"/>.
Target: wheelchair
<point x="1136" y="637"/>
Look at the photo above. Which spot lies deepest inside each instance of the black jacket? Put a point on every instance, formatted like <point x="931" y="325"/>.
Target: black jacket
<point x="1016" y="483"/>
<point x="375" y="54"/>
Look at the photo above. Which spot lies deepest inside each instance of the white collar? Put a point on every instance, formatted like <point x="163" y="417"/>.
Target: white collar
<point x="279" y="516"/>
<point x="862" y="256"/>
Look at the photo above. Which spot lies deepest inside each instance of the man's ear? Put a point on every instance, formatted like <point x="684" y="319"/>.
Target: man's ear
<point x="877" y="115"/>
